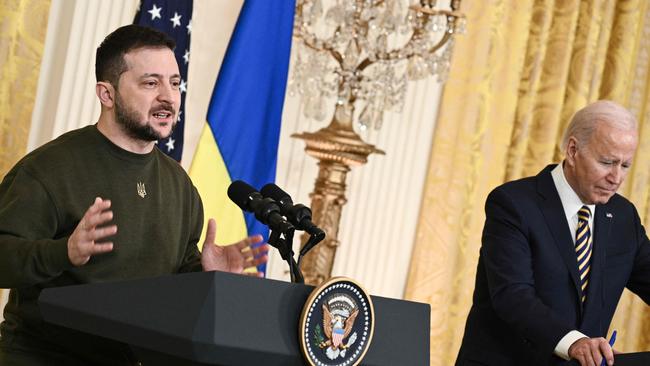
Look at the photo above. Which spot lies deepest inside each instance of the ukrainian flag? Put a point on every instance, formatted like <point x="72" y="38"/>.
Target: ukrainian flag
<point x="240" y="139"/>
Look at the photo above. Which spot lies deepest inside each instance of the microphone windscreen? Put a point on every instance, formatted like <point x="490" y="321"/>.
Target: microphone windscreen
<point x="276" y="193"/>
<point x="240" y="192"/>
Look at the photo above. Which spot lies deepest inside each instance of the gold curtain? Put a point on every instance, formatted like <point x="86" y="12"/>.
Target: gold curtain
<point x="23" y="24"/>
<point x="523" y="68"/>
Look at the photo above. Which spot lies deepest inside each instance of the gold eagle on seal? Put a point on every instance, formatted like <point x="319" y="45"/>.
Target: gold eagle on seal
<point x="339" y="314"/>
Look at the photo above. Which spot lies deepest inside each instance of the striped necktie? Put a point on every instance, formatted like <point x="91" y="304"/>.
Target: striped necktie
<point x="583" y="248"/>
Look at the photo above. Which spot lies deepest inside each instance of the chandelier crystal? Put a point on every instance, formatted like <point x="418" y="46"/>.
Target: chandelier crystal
<point x="363" y="52"/>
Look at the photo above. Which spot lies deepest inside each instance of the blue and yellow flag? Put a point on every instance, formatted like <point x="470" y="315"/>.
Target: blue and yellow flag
<point x="240" y="139"/>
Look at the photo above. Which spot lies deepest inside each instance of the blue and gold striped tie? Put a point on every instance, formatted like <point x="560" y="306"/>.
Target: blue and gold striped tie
<point x="583" y="248"/>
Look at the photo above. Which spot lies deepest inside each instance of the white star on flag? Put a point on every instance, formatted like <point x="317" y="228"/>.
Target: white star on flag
<point x="173" y="17"/>
<point x="176" y="20"/>
<point x="155" y="12"/>
<point x="170" y="144"/>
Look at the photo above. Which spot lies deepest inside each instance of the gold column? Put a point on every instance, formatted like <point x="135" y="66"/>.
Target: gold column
<point x="337" y="148"/>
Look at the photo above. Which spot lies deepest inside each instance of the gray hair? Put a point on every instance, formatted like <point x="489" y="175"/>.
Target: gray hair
<point x="585" y="121"/>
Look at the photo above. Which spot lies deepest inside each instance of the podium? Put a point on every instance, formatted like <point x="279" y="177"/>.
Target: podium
<point x="632" y="359"/>
<point x="216" y="318"/>
<point x="625" y="359"/>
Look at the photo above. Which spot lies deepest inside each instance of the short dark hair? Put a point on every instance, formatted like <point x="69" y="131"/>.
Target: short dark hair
<point x="109" y="61"/>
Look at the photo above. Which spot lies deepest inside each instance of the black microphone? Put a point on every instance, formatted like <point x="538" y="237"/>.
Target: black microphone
<point x="299" y="215"/>
<point x="266" y="210"/>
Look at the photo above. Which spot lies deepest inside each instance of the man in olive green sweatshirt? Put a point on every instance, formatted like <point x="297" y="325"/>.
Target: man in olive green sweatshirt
<point x="101" y="203"/>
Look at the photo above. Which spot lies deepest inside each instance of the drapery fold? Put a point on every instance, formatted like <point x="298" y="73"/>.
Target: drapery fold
<point x="23" y="26"/>
<point x="22" y="39"/>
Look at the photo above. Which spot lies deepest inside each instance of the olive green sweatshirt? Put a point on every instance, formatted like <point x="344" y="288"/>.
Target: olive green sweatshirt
<point x="156" y="208"/>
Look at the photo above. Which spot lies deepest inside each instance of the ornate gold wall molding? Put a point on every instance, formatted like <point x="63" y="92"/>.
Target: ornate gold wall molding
<point x="521" y="71"/>
<point x="23" y="24"/>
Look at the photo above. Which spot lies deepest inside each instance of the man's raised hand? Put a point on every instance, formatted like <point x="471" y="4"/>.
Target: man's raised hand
<point x="85" y="240"/>
<point x="234" y="258"/>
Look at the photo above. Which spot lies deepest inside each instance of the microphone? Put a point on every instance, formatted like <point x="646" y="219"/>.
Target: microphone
<point x="265" y="209"/>
<point x="298" y="215"/>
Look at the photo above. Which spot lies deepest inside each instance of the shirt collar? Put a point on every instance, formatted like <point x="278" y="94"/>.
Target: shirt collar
<point x="570" y="200"/>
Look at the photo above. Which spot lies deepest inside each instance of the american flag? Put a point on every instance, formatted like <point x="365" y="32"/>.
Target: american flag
<point x="173" y="17"/>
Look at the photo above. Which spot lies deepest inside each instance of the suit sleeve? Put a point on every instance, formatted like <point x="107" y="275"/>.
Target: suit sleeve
<point x="508" y="258"/>
<point x="639" y="281"/>
<point x="30" y="251"/>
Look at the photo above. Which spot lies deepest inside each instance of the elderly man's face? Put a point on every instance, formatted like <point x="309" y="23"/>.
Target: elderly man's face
<point x="597" y="169"/>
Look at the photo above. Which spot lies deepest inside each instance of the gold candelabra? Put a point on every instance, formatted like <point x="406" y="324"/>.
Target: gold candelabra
<point x="346" y="52"/>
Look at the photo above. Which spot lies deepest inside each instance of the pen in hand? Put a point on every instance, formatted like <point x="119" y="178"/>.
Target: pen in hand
<point x="611" y="344"/>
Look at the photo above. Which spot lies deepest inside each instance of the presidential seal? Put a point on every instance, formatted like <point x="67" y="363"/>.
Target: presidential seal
<point x="337" y="323"/>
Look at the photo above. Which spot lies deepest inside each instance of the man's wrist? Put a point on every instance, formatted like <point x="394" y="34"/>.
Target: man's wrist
<point x="562" y="347"/>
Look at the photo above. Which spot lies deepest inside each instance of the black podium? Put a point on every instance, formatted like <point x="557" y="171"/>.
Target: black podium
<point x="215" y="318"/>
<point x="632" y="359"/>
<point x="625" y="359"/>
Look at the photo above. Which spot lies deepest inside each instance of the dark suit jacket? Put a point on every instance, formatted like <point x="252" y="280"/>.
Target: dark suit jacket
<point x="527" y="293"/>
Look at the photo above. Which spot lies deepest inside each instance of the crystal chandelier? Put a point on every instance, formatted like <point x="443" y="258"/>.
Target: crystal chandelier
<point x="359" y="54"/>
<point x="363" y="52"/>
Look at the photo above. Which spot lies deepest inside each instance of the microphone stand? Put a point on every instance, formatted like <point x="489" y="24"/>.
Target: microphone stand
<point x="313" y="240"/>
<point x="284" y="246"/>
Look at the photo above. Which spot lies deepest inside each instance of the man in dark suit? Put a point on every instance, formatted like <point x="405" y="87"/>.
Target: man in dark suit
<point x="557" y="251"/>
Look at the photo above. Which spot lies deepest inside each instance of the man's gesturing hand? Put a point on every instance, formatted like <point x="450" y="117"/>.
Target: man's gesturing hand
<point x="82" y="244"/>
<point x="590" y="351"/>
<point x="234" y="258"/>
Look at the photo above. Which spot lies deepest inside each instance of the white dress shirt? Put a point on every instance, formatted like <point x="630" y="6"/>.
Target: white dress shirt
<point x="571" y="204"/>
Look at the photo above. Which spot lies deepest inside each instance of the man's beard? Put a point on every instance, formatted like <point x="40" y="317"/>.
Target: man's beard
<point x="129" y="120"/>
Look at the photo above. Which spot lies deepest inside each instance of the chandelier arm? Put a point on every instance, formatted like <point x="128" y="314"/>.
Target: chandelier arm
<point x="363" y="64"/>
<point x="305" y="36"/>
<point x="352" y="98"/>
<point x="395" y="54"/>
<point x="301" y="32"/>
<point x="440" y="43"/>
<point x="433" y="12"/>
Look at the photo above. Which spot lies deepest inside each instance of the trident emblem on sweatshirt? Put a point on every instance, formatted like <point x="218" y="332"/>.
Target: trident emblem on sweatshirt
<point x="141" y="191"/>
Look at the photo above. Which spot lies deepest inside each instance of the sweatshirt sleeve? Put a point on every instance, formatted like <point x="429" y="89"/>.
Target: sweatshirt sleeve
<point x="192" y="257"/>
<point x="30" y="251"/>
